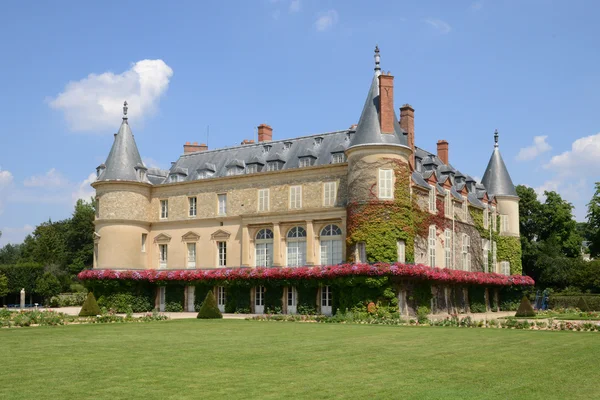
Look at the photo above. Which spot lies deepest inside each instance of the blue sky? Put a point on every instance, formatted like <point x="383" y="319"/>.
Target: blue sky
<point x="526" y="68"/>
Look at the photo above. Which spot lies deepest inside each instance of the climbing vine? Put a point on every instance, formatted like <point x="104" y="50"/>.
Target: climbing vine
<point x="509" y="249"/>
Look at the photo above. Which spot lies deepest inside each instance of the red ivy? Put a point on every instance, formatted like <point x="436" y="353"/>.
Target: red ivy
<point x="417" y="271"/>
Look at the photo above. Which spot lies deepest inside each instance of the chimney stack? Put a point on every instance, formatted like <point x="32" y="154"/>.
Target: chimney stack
<point x="386" y="103"/>
<point x="407" y="123"/>
<point x="194" y="147"/>
<point x="246" y="141"/>
<point x="265" y="133"/>
<point x="442" y="151"/>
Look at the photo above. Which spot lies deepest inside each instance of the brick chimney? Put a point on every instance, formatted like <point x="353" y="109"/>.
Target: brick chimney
<point x="407" y="123"/>
<point x="442" y="151"/>
<point x="265" y="133"/>
<point x="194" y="147"/>
<point x="386" y="103"/>
<point x="246" y="141"/>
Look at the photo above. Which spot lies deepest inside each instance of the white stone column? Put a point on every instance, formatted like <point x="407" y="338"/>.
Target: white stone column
<point x="245" y="246"/>
<point x="277" y="259"/>
<point x="310" y="243"/>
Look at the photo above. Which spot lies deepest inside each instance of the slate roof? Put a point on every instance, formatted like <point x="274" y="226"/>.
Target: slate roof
<point x="496" y="178"/>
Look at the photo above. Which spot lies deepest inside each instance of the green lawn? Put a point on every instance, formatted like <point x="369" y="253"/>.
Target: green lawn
<point x="229" y="359"/>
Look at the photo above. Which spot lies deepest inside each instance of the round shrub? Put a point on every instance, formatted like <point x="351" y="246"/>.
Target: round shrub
<point x="209" y="309"/>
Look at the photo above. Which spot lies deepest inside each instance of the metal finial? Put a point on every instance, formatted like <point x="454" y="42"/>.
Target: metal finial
<point x="377" y="67"/>
<point x="125" y="110"/>
<point x="496" y="138"/>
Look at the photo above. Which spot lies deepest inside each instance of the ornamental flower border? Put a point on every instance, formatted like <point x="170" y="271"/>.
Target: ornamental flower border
<point x="415" y="271"/>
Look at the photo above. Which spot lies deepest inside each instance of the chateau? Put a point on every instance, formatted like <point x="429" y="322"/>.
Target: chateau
<point x="363" y="194"/>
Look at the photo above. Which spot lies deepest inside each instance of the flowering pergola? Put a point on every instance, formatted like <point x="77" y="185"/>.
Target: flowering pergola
<point x="415" y="271"/>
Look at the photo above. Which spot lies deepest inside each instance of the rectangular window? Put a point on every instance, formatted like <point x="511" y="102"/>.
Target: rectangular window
<point x="263" y="199"/>
<point x="448" y="204"/>
<point x="164" y="209"/>
<point x="191" y="255"/>
<point x="97" y="207"/>
<point x="494" y="219"/>
<point x="494" y="256"/>
<point x="448" y="248"/>
<point x="504" y="223"/>
<point x="505" y="267"/>
<point x="466" y="255"/>
<point x="326" y="296"/>
<point x="329" y="194"/>
<point x="337" y="158"/>
<point x="174" y="178"/>
<point x="144" y="238"/>
<point x="192" y="201"/>
<point x="486" y="250"/>
<point x="222" y="253"/>
<point x="432" y="199"/>
<point x="305" y="162"/>
<point x="259" y="299"/>
<point x="95" y="254"/>
<point x="486" y="218"/>
<point x="291" y="296"/>
<point x="361" y="252"/>
<point x="222" y="206"/>
<point x="162" y="256"/>
<point x="295" y="197"/>
<point x="252" y="168"/>
<point x="401" y="249"/>
<point x="386" y="184"/>
<point x="221" y="297"/>
<point x="465" y="207"/>
<point x="431" y="245"/>
<point x="273" y="166"/>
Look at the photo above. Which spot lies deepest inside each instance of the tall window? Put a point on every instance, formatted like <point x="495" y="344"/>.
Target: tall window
<point x="222" y="254"/>
<point x="144" y="238"/>
<point x="448" y="204"/>
<point x="505" y="267"/>
<point x="466" y="252"/>
<point x="191" y="255"/>
<point x="259" y="299"/>
<point x="162" y="256"/>
<point x="331" y="245"/>
<point x="292" y="297"/>
<point x="221" y="297"/>
<point x="486" y="252"/>
<point x="448" y="248"/>
<point x="431" y="245"/>
<point x="222" y="200"/>
<point x="264" y="248"/>
<point x="494" y="219"/>
<point x="164" y="209"/>
<point x="192" y="201"/>
<point x="295" y="197"/>
<point x="386" y="184"/>
<point x="263" y="199"/>
<point x="296" y="247"/>
<point x="361" y="252"/>
<point x="432" y="199"/>
<point x="504" y="223"/>
<point x="401" y="250"/>
<point x="329" y="194"/>
<point x="326" y="296"/>
<point x="494" y="256"/>
<point x="486" y="218"/>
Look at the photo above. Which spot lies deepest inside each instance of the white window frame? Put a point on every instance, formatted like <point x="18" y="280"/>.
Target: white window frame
<point x="144" y="240"/>
<point x="431" y="245"/>
<point x="494" y="256"/>
<point x="505" y="267"/>
<point x="401" y="251"/>
<point x="273" y="165"/>
<point x="337" y="158"/>
<point x="263" y="248"/>
<point x="164" y="209"/>
<point x="448" y="248"/>
<point x="295" y="197"/>
<point x="432" y="199"/>
<point x="163" y="255"/>
<point x="485" y="245"/>
<point x="222" y="204"/>
<point x="329" y="194"/>
<point x="361" y="252"/>
<point x="486" y="218"/>
<point x="259" y="296"/>
<point x="331" y="244"/>
<point x="221" y="298"/>
<point x="263" y="200"/>
<point x="296" y="247"/>
<point x="503" y="223"/>
<point x="448" y="204"/>
<point x="386" y="184"/>
<point x="221" y="253"/>
<point x="193" y="206"/>
<point x="191" y="255"/>
<point x="252" y="168"/>
<point x="326" y="296"/>
<point x="466" y="252"/>
<point x="305" y="162"/>
<point x="494" y="219"/>
<point x="292" y="296"/>
<point x="465" y="207"/>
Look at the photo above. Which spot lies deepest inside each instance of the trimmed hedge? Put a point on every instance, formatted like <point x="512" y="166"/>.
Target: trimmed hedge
<point x="209" y="309"/>
<point x="120" y="302"/>
<point x="557" y="301"/>
<point x="22" y="276"/>
<point x="90" y="308"/>
<point x="525" y="308"/>
<point x="68" y="299"/>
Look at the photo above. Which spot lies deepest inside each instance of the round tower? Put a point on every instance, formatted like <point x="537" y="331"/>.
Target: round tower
<point x="122" y="206"/>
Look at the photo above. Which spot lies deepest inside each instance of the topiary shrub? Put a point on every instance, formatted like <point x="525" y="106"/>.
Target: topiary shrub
<point x="209" y="309"/>
<point x="582" y="304"/>
<point x="90" y="307"/>
<point x="525" y="308"/>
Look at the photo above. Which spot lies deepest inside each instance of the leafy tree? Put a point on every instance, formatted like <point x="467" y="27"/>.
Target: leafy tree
<point x="593" y="217"/>
<point x="47" y="285"/>
<point x="10" y="254"/>
<point x="80" y="240"/>
<point x="530" y="215"/>
<point x="3" y="285"/>
<point x="558" y="222"/>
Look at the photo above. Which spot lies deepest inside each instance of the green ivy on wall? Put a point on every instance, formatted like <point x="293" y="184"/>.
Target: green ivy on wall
<point x="509" y="249"/>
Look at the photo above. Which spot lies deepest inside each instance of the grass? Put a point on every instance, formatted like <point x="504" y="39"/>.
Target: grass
<point x="191" y="359"/>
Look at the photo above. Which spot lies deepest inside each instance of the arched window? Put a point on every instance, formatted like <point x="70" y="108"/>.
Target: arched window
<point x="331" y="245"/>
<point x="296" y="247"/>
<point x="264" y="248"/>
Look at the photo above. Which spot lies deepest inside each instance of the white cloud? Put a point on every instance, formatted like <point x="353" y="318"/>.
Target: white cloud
<point x="443" y="27"/>
<point x="83" y="190"/>
<point x="538" y="147"/>
<point x="51" y="179"/>
<point x="151" y="163"/>
<point x="582" y="159"/>
<point x="14" y="235"/>
<point x="95" y="103"/>
<point x="294" y="6"/>
<point x="6" y="181"/>
<point x="326" y="20"/>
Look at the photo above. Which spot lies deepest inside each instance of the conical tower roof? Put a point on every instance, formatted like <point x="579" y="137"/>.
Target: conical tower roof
<point x="124" y="161"/>
<point x="368" y="130"/>
<point x="496" y="178"/>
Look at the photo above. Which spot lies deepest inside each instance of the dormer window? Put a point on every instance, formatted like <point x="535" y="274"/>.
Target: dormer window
<point x="274" y="165"/>
<point x="287" y="145"/>
<point x="100" y="169"/>
<point x="306" y="161"/>
<point x="252" y="168"/>
<point x="235" y="171"/>
<point x="267" y="148"/>
<point x="175" y="178"/>
<point x="337" y="158"/>
<point x="318" y="141"/>
<point x="205" y="174"/>
<point x="419" y="163"/>
<point x="140" y="172"/>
